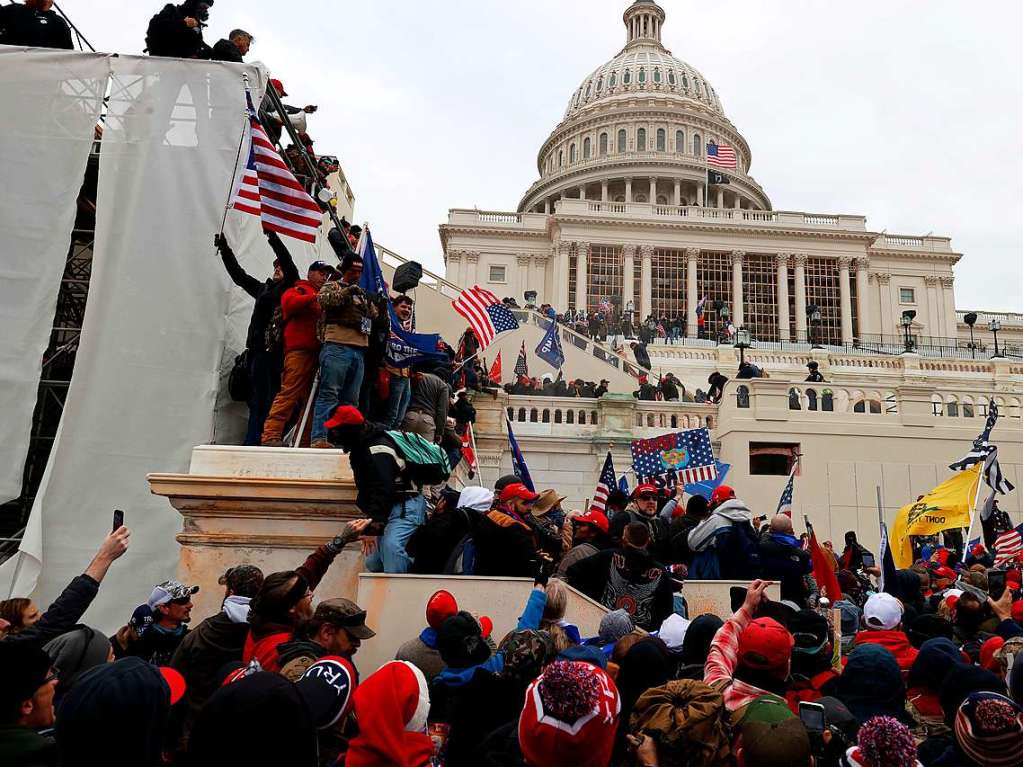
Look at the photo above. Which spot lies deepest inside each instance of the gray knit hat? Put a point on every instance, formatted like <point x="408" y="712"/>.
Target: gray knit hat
<point x="615" y="625"/>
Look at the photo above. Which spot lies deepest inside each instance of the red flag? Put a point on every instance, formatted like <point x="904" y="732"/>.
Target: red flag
<point x="468" y="452"/>
<point x="823" y="569"/>
<point x="495" y="371"/>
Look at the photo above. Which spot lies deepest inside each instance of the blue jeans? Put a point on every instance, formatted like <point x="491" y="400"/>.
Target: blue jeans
<point x="390" y="555"/>
<point x="341" y="369"/>
<point x="397" y="402"/>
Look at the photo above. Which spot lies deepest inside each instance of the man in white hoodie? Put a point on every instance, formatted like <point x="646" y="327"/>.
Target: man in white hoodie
<point x="725" y="543"/>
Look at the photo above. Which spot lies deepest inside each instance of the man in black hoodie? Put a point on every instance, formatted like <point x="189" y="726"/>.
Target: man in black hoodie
<point x="627" y="578"/>
<point x="177" y="31"/>
<point x="34" y="24"/>
<point x="265" y="366"/>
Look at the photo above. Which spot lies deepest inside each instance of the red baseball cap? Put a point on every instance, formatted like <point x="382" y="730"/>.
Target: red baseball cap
<point x="592" y="517"/>
<point x="721" y="494"/>
<point x="944" y="572"/>
<point x="345" y="415"/>
<point x="766" y="645"/>
<point x="1017" y="611"/>
<point x="175" y="682"/>
<point x="644" y="488"/>
<point x="279" y="86"/>
<point x="439" y="608"/>
<point x="518" y="490"/>
<point x="987" y="652"/>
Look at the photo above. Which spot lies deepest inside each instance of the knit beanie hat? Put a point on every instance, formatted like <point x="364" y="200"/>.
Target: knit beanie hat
<point x="614" y="625"/>
<point x="989" y="730"/>
<point x="885" y="742"/>
<point x="460" y="641"/>
<point x="960" y="683"/>
<point x="570" y="717"/>
<point x="765" y="645"/>
<point x="526" y="652"/>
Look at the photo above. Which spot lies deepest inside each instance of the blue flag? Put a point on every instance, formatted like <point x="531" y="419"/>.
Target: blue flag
<point x="623" y="484"/>
<point x="519" y="468"/>
<point x="404" y="348"/>
<point x="707" y="487"/>
<point x="549" y="349"/>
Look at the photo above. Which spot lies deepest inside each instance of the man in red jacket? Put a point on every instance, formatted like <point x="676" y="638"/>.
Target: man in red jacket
<point x="882" y="620"/>
<point x="301" y="313"/>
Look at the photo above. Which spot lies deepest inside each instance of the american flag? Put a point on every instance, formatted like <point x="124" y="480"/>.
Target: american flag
<point x="982" y="446"/>
<point x="785" y="502"/>
<point x="485" y="313"/>
<point x="1008" y="546"/>
<point x="686" y="453"/>
<point x="700" y="305"/>
<point x="521" y="367"/>
<point x="469" y="451"/>
<point x="721" y="156"/>
<point x="605" y="484"/>
<point x="267" y="188"/>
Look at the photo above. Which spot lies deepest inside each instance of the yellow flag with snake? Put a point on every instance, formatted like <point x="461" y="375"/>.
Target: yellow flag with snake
<point x="946" y="507"/>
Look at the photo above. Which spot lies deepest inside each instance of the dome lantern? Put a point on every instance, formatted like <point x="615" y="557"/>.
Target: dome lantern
<point x="643" y="20"/>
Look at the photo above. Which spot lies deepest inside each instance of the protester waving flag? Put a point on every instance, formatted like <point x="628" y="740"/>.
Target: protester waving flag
<point x="519" y="468"/>
<point x="521" y="366"/>
<point x="785" y="502"/>
<point x="946" y="507"/>
<point x="549" y="348"/>
<point x="485" y="313"/>
<point x="982" y="446"/>
<point x="605" y="484"/>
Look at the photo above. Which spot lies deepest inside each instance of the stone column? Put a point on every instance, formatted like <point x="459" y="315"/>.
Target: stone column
<point x="452" y="270"/>
<point x="603" y="190"/>
<point x="581" y="280"/>
<point x="699" y="193"/>
<point x="646" y="281"/>
<point x="951" y="324"/>
<point x="799" y="260"/>
<point x="721" y="197"/>
<point x="738" y="316"/>
<point x="628" y="190"/>
<point x="547" y="205"/>
<point x="845" y="298"/>
<point x="653" y="191"/>
<point x="933" y="323"/>
<point x="525" y="267"/>
<point x="738" y="202"/>
<point x="582" y="193"/>
<point x="471" y="276"/>
<point x="863" y="298"/>
<point x="888" y="320"/>
<point x="783" y="297"/>
<point x="692" y="292"/>
<point x="678" y="192"/>
<point x="629" y="277"/>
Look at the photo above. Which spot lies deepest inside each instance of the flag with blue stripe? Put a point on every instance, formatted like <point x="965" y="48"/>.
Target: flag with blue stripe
<point x="519" y="468"/>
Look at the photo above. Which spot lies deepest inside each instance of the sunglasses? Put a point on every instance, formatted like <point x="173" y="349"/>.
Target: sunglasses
<point x="647" y="497"/>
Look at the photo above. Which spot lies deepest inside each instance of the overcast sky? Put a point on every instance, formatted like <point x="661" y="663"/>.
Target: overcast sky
<point x="906" y="112"/>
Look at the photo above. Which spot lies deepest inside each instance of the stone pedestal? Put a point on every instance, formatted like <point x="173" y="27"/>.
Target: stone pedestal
<point x="268" y="507"/>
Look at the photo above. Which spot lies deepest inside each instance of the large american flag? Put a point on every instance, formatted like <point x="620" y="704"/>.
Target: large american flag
<point x="267" y="188"/>
<point x="1008" y="546"/>
<point x="485" y="313"/>
<point x="605" y="484"/>
<point x="721" y="156"/>
<point x="785" y="502"/>
<point x="686" y="453"/>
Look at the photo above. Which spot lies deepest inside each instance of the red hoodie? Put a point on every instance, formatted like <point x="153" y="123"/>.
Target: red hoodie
<point x="301" y="312"/>
<point x="895" y="641"/>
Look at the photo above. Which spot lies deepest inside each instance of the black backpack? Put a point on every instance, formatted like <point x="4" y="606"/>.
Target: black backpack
<point x="239" y="385"/>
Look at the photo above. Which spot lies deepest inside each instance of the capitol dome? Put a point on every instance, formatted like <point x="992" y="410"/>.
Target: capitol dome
<point x="639" y="129"/>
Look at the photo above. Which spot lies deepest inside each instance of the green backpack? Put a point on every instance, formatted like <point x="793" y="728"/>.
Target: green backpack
<point x="425" y="462"/>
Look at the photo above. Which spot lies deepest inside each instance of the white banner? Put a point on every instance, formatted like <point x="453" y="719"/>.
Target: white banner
<point x="52" y="101"/>
<point x="146" y="376"/>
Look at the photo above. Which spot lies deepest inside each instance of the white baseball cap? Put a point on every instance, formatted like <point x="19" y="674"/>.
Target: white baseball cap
<point x="882" y="612"/>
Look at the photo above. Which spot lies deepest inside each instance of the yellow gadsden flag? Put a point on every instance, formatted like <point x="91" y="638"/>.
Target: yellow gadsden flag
<point x="946" y="507"/>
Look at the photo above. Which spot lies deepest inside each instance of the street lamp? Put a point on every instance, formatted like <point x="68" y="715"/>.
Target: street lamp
<point x="907" y="323"/>
<point x="994" y="326"/>
<point x="743" y="341"/>
<point x="815" y="321"/>
<point x="971" y="320"/>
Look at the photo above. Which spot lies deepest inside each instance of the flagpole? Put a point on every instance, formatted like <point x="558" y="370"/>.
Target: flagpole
<point x="307" y="411"/>
<point x="973" y="511"/>
<point x="475" y="455"/>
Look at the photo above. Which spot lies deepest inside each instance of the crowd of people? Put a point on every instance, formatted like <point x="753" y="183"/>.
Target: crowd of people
<point x="922" y="672"/>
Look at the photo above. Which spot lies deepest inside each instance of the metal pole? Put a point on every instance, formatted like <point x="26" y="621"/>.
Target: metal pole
<point x="81" y="37"/>
<point x="308" y="410"/>
<point x="476" y="455"/>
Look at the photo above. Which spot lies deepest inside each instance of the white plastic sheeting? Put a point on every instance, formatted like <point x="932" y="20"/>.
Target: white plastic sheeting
<point x="146" y="376"/>
<point x="46" y="131"/>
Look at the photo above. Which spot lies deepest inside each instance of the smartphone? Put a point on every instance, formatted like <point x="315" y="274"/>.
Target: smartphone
<point x="868" y="560"/>
<point x="996" y="584"/>
<point x="118" y="520"/>
<point x="737" y="595"/>
<point x="812" y="717"/>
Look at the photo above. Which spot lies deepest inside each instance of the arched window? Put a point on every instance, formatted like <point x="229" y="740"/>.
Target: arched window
<point x="662" y="200"/>
<point x="685" y="83"/>
<point x="614" y="79"/>
<point x="671" y="77"/>
<point x="571" y="154"/>
<point x="697" y="146"/>
<point x="662" y="138"/>
<point x="680" y="142"/>
<point x="622" y="141"/>
<point x="587" y="94"/>
<point x="641" y="140"/>
<point x="642" y="75"/>
<point x="640" y="197"/>
<point x="627" y="77"/>
<point x="603" y="144"/>
<point x="657" y="75"/>
<point x="600" y="83"/>
<point x="586" y="149"/>
<point x="561" y="158"/>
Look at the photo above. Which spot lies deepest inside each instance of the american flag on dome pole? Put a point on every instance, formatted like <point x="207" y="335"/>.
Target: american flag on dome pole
<point x="485" y="313"/>
<point x="267" y="188"/>
<point x="721" y="156"/>
<point x="605" y="484"/>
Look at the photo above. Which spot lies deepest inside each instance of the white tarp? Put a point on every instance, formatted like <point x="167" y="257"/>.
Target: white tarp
<point x="146" y="375"/>
<point x="46" y="130"/>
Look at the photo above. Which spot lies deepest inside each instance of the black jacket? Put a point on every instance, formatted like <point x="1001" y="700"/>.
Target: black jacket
<point x="225" y="50"/>
<point x="36" y="29"/>
<point x="628" y="579"/>
<point x="169" y="36"/>
<point x="157" y="647"/>
<point x="505" y="547"/>
<point x="267" y="294"/>
<point x="787" y="564"/>
<point x="669" y="389"/>
<point x="432" y="544"/>
<point x="22" y="747"/>
<point x="380" y="481"/>
<point x="63" y="615"/>
<point x="642" y="357"/>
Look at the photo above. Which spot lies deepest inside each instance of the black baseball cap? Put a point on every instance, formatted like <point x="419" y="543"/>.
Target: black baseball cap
<point x="347" y="615"/>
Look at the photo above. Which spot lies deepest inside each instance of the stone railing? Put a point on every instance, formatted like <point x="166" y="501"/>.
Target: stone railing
<point x="494" y="218"/>
<point x="929" y="243"/>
